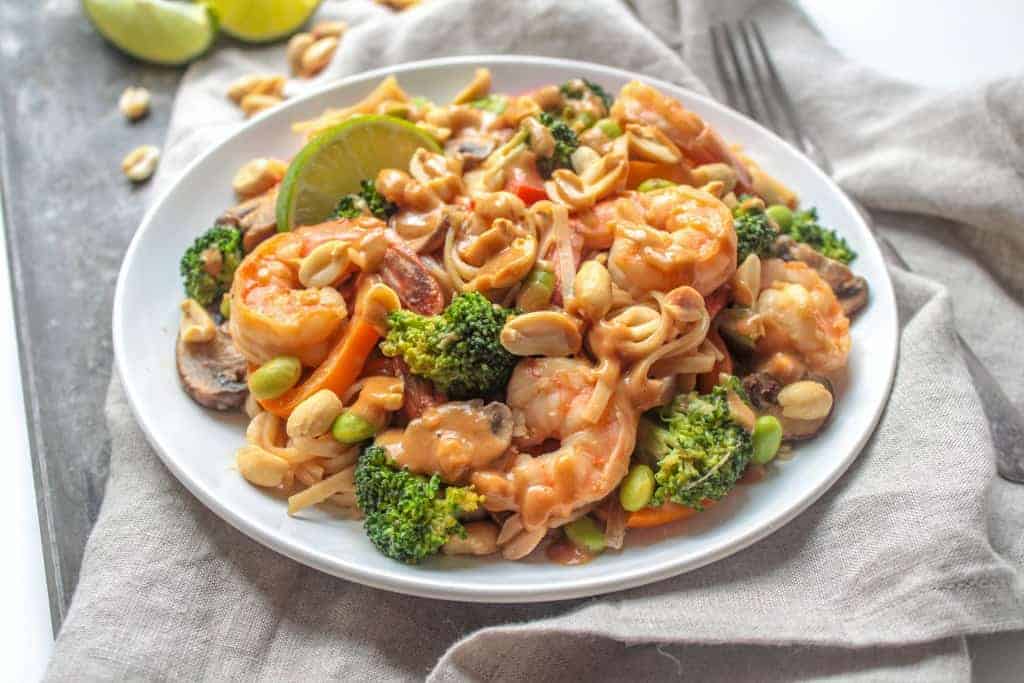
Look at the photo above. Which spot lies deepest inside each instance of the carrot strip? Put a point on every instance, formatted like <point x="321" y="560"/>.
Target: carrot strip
<point x="645" y="518"/>
<point x="337" y="373"/>
<point x="640" y="171"/>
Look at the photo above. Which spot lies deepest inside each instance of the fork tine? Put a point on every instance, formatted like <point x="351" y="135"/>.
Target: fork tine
<point x="718" y="52"/>
<point x="781" y="94"/>
<point x="767" y="105"/>
<point x="730" y="43"/>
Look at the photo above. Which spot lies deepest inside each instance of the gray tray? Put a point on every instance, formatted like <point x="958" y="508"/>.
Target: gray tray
<point x="69" y="214"/>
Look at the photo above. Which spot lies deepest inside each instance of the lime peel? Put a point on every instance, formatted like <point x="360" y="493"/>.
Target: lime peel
<point x="334" y="162"/>
<point x="157" y="31"/>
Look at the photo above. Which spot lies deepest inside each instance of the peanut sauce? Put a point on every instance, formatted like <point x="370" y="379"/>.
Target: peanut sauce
<point x="564" y="552"/>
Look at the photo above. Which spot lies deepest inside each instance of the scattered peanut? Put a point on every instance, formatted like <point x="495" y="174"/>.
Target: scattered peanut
<point x="805" y="400"/>
<point x="256" y="84"/>
<point x="333" y="29"/>
<point x="196" y="325"/>
<point x="140" y="163"/>
<point x="255" y="103"/>
<point x="297" y="47"/>
<point x="315" y="415"/>
<point x="317" y="56"/>
<point x="134" y="103"/>
<point x="261" y="467"/>
<point x="258" y="176"/>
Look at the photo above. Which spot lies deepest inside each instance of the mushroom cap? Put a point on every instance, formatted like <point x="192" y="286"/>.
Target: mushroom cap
<point x="213" y="373"/>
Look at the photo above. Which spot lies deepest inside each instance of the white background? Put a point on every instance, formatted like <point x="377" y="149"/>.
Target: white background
<point x="940" y="43"/>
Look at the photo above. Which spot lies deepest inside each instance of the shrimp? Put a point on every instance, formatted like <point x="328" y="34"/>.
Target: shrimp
<point x="686" y="237"/>
<point x="272" y="313"/>
<point x="700" y="144"/>
<point x="802" y="318"/>
<point x="548" y="397"/>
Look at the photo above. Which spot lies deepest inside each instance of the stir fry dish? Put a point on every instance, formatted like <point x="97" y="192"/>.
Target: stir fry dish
<point x="515" y="323"/>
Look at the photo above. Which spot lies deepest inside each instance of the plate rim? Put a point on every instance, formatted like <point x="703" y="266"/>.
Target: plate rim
<point x="426" y="587"/>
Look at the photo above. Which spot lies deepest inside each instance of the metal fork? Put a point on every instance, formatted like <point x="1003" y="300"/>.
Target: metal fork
<point x="753" y="86"/>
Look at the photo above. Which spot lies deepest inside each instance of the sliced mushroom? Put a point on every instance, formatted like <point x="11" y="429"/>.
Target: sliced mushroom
<point x="403" y="271"/>
<point x="764" y="389"/>
<point x="472" y="150"/>
<point x="213" y="372"/>
<point x="256" y="218"/>
<point x="850" y="289"/>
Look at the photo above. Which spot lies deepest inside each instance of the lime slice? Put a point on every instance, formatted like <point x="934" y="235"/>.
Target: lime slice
<point x="332" y="164"/>
<point x="155" y="30"/>
<point x="260" y="21"/>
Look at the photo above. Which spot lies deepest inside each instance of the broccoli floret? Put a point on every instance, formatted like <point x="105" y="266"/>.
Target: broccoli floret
<point x="566" y="143"/>
<point x="805" y="228"/>
<point x="408" y="516"/>
<point x="578" y="87"/>
<point x="493" y="103"/>
<point x="366" y="201"/>
<point x="697" y="449"/>
<point x="754" y="232"/>
<point x="200" y="284"/>
<point x="458" y="350"/>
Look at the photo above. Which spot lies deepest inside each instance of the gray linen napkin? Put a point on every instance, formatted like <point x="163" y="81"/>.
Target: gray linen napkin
<point x="916" y="546"/>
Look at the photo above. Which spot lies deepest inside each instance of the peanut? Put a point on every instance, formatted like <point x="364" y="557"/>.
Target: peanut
<point x="333" y="29"/>
<point x="805" y="400"/>
<point x="260" y="467"/>
<point x="256" y="84"/>
<point x="315" y="415"/>
<point x="317" y="56"/>
<point x="297" y="47"/>
<point x="255" y="103"/>
<point x="481" y="539"/>
<point x="134" y="103"/>
<point x="196" y="324"/>
<point x="258" y="176"/>
<point x="140" y="163"/>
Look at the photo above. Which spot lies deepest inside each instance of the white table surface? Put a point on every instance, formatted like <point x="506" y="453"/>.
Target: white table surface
<point x="940" y="43"/>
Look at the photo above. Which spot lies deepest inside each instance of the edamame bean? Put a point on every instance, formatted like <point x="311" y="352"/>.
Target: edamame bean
<point x="350" y="428"/>
<point x="275" y="377"/>
<point x="652" y="184"/>
<point x="537" y="291"/>
<point x="637" y="488"/>
<point x="225" y="306"/>
<point x="766" y="438"/>
<point x="782" y="216"/>
<point x="610" y="127"/>
<point x="585" y="534"/>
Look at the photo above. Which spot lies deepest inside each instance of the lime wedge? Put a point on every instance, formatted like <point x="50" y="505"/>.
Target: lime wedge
<point x="155" y="30"/>
<point x="260" y="21"/>
<point x="332" y="164"/>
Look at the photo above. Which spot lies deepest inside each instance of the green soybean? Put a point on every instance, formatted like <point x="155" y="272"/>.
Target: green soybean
<point x="766" y="438"/>
<point x="585" y="534"/>
<point x="350" y="428"/>
<point x="652" y="184"/>
<point x="782" y="216"/>
<point x="225" y="306"/>
<point x="610" y="127"/>
<point x="537" y="290"/>
<point x="637" y="488"/>
<point x="275" y="377"/>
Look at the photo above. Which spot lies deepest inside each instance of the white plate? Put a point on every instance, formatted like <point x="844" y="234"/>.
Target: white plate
<point x="197" y="445"/>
